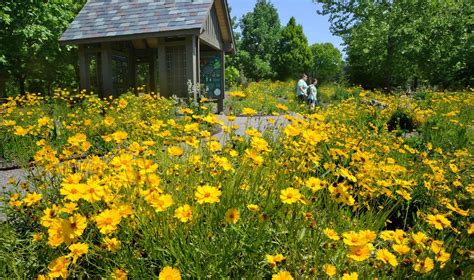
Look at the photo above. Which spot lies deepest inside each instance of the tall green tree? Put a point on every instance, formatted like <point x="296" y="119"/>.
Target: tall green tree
<point x="293" y="53"/>
<point x="397" y="43"/>
<point x="326" y="64"/>
<point x="260" y="36"/>
<point x="29" y="52"/>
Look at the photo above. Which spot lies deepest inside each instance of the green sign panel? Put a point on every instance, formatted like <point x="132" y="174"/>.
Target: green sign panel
<point x="211" y="74"/>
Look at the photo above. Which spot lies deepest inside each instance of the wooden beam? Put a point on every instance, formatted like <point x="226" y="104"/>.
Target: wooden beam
<point x="152" y="42"/>
<point x="132" y="71"/>
<point x="173" y="33"/>
<point x="220" y="102"/>
<point x="191" y="66"/>
<point x="152" y="73"/>
<point x="106" y="63"/>
<point x="85" y="81"/>
<point x="163" y="75"/>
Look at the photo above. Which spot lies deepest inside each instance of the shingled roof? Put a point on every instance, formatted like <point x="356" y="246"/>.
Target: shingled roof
<point x="109" y="19"/>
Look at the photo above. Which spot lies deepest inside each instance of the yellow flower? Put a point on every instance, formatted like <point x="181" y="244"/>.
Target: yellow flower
<point x="119" y="136"/>
<point x="331" y="234"/>
<point x="360" y="253"/>
<point x="77" y="250"/>
<point x="214" y="146"/>
<point x="351" y="276"/>
<point x="315" y="184"/>
<point x="107" y="221"/>
<point x="274" y="260"/>
<point x="111" y="244"/>
<point x="253" y="207"/>
<point x="291" y="130"/>
<point x="20" y="131"/>
<point x="282" y="275"/>
<point x="170" y="273"/>
<point x="248" y="111"/>
<point x="32" y="198"/>
<point x="401" y="249"/>
<point x="419" y="237"/>
<point x="37" y="237"/>
<point x="160" y="202"/>
<point x="207" y="194"/>
<point x="184" y="213"/>
<point x="72" y="192"/>
<point x="352" y="238"/>
<point x="438" y="221"/>
<point x="424" y="266"/>
<point x="290" y="196"/>
<point x="58" y="267"/>
<point x="175" y="151"/>
<point x="232" y="216"/>
<point x="119" y="274"/>
<point x="386" y="257"/>
<point x="329" y="269"/>
<point x="470" y="229"/>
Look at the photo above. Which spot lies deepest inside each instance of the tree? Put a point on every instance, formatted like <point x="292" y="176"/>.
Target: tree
<point x="30" y="52"/>
<point x="326" y="64"/>
<point x="395" y="43"/>
<point x="293" y="56"/>
<point x="260" y="36"/>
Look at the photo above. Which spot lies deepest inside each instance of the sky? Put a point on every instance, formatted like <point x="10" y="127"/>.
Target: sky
<point x="315" y="27"/>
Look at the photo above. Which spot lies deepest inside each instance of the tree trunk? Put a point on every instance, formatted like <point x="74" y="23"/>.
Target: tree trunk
<point x="21" y="83"/>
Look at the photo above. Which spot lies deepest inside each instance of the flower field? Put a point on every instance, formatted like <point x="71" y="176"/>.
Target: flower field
<point x="137" y="188"/>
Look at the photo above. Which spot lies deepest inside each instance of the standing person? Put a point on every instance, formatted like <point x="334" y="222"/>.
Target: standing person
<point x="313" y="94"/>
<point x="301" y="88"/>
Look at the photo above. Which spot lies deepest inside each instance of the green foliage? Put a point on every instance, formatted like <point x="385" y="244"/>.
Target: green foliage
<point x="30" y="52"/>
<point x="401" y="120"/>
<point x="260" y="36"/>
<point x="397" y="43"/>
<point x="293" y="56"/>
<point x="326" y="64"/>
<point x="232" y="76"/>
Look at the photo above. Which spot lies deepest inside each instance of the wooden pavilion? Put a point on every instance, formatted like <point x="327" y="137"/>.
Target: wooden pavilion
<point x="170" y="42"/>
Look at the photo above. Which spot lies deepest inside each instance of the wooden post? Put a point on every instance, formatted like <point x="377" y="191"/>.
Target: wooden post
<point x="84" y="75"/>
<point x="132" y="71"/>
<point x="198" y="62"/>
<point x="220" y="102"/>
<point x="152" y="71"/>
<point x="163" y="76"/>
<point x="106" y="71"/>
<point x="191" y="50"/>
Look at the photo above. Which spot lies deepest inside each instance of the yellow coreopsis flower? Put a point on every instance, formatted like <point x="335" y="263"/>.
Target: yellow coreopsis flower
<point x="111" y="244"/>
<point x="350" y="276"/>
<point x="32" y="198"/>
<point x="331" y="234"/>
<point x="160" y="202"/>
<point x="329" y="269"/>
<point x="20" y="131"/>
<point x="315" y="184"/>
<point x="107" y="221"/>
<point x="438" y="221"/>
<point x="282" y="275"/>
<point x="248" y="111"/>
<point x="401" y="249"/>
<point x="253" y="207"/>
<point x="175" y="151"/>
<point x="290" y="196"/>
<point x="184" y="213"/>
<point x="424" y="266"/>
<point x="58" y="267"/>
<point x="169" y="273"/>
<point x="119" y="274"/>
<point x="360" y="253"/>
<point x="77" y="250"/>
<point x="207" y="194"/>
<point x="386" y="257"/>
<point x="232" y="216"/>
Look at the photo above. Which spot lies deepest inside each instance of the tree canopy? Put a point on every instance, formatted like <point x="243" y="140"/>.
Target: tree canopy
<point x="326" y="63"/>
<point x="398" y="43"/>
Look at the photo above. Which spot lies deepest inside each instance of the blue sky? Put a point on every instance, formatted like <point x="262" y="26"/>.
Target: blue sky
<point x="316" y="27"/>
